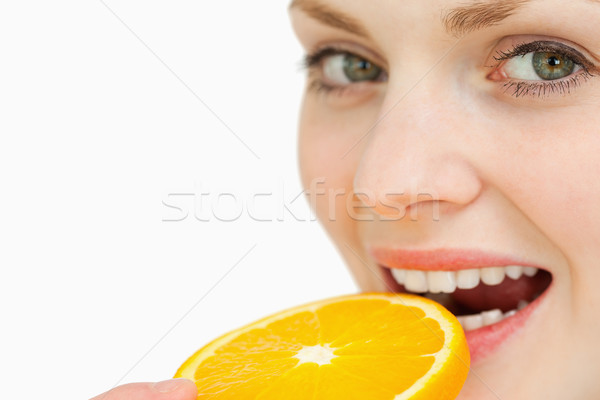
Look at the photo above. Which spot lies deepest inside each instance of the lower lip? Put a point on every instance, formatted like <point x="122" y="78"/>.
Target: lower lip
<point x="486" y="340"/>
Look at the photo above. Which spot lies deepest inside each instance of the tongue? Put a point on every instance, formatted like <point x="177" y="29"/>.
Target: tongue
<point x="505" y="296"/>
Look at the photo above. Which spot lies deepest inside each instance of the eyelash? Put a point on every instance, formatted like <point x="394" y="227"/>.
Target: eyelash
<point x="542" y="88"/>
<point x="519" y="88"/>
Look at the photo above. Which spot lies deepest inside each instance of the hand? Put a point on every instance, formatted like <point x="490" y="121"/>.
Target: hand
<point x="173" y="389"/>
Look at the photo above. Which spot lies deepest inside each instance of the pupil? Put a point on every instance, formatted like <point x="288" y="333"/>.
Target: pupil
<point x="553" y="61"/>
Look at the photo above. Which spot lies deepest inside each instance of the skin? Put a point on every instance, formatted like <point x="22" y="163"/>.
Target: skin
<point x="172" y="389"/>
<point x="508" y="175"/>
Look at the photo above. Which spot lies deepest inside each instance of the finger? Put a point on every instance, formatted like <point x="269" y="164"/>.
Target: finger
<point x="172" y="389"/>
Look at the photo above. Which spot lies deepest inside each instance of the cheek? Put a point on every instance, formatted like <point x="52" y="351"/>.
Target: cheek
<point x="554" y="179"/>
<point x="325" y="163"/>
<point x="331" y="143"/>
<point x="557" y="176"/>
<point x="330" y="149"/>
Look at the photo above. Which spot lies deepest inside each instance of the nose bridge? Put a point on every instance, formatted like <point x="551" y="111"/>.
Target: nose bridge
<point x="416" y="153"/>
<point x="414" y="130"/>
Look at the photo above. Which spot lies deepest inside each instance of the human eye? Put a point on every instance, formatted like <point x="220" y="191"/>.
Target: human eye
<point x="342" y="71"/>
<point x="541" y="68"/>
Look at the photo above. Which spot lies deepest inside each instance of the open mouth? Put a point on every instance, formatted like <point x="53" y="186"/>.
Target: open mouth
<point x="479" y="297"/>
<point x="492" y="295"/>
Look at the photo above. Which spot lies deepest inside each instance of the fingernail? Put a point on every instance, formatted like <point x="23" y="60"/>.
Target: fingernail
<point x="169" y="385"/>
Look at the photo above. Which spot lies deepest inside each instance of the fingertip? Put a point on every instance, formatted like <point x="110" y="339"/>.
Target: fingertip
<point x="188" y="390"/>
<point x="172" y="389"/>
<point x="185" y="388"/>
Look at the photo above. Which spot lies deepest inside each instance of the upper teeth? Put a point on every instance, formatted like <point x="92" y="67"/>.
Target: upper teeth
<point x="448" y="281"/>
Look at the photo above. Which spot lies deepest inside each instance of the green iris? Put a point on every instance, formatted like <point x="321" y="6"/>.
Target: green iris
<point x="550" y="66"/>
<point x="358" y="69"/>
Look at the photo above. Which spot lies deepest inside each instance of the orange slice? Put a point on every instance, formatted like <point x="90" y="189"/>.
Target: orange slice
<point x="367" y="347"/>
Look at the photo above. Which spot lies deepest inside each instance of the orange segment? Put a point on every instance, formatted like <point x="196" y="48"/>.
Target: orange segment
<point x="378" y="346"/>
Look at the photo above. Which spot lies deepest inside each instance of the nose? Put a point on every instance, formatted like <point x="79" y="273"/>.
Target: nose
<point x="417" y="160"/>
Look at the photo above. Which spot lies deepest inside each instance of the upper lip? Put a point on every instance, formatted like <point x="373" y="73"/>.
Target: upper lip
<point x="442" y="259"/>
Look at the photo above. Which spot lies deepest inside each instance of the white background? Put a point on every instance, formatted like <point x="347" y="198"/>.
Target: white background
<point x="96" y="133"/>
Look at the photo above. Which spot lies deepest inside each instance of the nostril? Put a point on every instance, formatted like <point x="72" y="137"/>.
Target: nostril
<point x="432" y="210"/>
<point x="426" y="210"/>
<point x="404" y="188"/>
<point x="421" y="207"/>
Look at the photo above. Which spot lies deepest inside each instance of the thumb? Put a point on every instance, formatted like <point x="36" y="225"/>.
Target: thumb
<point x="172" y="389"/>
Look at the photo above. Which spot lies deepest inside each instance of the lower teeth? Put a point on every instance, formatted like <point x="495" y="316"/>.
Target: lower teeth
<point x="485" y="318"/>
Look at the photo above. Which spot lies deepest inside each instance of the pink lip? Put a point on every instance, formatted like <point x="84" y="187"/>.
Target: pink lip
<point x="442" y="259"/>
<point x="485" y="340"/>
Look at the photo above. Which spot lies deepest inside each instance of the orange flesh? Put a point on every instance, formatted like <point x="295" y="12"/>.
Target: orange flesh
<point x="380" y="349"/>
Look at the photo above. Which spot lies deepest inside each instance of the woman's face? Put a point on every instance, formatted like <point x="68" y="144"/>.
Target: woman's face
<point x="453" y="143"/>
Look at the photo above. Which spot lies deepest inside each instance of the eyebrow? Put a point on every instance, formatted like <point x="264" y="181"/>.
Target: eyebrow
<point x="481" y="14"/>
<point x="330" y="17"/>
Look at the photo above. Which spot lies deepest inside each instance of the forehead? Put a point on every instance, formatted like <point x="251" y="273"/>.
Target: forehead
<point x="456" y="18"/>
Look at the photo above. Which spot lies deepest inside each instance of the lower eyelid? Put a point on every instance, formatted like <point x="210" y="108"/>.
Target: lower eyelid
<point x="346" y="95"/>
<point x="543" y="89"/>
